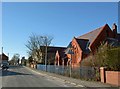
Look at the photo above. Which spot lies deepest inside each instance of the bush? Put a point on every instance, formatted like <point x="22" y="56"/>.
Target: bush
<point x="105" y="56"/>
<point x="108" y="57"/>
<point x="112" y="61"/>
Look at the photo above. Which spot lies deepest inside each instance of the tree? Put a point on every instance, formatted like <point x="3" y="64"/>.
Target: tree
<point x="15" y="59"/>
<point x="105" y="56"/>
<point x="23" y="61"/>
<point x="30" y="60"/>
<point x="34" y="43"/>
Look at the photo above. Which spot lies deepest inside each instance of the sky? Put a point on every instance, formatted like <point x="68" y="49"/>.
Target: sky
<point x="62" y="20"/>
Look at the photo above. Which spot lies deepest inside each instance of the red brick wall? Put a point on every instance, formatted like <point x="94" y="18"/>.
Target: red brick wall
<point x="113" y="77"/>
<point x="110" y="77"/>
<point x="77" y="56"/>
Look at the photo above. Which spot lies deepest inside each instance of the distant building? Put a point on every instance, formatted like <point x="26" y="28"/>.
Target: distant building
<point x="83" y="45"/>
<point x="3" y="58"/>
<point x="55" y="55"/>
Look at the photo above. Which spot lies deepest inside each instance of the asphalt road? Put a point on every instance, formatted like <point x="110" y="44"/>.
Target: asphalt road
<point x="17" y="76"/>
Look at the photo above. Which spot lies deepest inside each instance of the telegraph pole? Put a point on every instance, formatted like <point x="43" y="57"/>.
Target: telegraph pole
<point x="2" y="50"/>
<point x="8" y="59"/>
<point x="45" y="53"/>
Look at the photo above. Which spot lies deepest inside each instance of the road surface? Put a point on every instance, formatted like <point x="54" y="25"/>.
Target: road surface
<point x="18" y="76"/>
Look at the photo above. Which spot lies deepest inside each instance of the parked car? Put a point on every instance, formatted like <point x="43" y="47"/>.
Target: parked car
<point x="5" y="66"/>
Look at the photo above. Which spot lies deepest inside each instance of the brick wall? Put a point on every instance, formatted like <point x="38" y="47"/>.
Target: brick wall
<point x="77" y="56"/>
<point x="113" y="77"/>
<point x="110" y="77"/>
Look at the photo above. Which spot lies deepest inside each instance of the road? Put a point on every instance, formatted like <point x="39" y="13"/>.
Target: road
<point x="17" y="76"/>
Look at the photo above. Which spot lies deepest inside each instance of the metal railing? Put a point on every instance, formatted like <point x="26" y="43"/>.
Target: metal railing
<point x="89" y="73"/>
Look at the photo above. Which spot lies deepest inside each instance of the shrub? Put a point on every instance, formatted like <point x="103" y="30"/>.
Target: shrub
<point x="105" y="56"/>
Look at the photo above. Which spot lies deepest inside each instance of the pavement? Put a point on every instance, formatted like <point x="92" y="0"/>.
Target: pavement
<point x="76" y="82"/>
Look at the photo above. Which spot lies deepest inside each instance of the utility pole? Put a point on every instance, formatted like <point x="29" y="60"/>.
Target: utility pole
<point x="45" y="53"/>
<point x="2" y="50"/>
<point x="8" y="56"/>
<point x="8" y="59"/>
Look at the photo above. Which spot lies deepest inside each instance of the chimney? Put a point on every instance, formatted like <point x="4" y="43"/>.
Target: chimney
<point x="114" y="29"/>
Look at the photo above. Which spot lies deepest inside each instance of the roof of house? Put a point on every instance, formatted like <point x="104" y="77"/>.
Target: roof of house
<point x="91" y="36"/>
<point x="113" y="42"/>
<point x="83" y="43"/>
<point x="85" y="40"/>
<point x="3" y="57"/>
<point x="53" y="49"/>
<point x="68" y="50"/>
<point x="118" y="37"/>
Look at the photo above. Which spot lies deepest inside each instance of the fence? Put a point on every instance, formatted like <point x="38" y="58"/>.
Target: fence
<point x="88" y="73"/>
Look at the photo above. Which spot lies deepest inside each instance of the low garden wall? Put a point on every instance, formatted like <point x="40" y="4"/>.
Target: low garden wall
<point x="110" y="77"/>
<point x="113" y="77"/>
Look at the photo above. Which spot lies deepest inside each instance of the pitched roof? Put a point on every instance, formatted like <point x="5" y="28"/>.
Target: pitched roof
<point x="113" y="42"/>
<point x="3" y="57"/>
<point x="68" y="50"/>
<point x="91" y="36"/>
<point x="118" y="37"/>
<point x="53" y="49"/>
<point x="83" y="43"/>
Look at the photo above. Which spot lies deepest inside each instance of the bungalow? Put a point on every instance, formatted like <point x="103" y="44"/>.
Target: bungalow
<point x="83" y="45"/>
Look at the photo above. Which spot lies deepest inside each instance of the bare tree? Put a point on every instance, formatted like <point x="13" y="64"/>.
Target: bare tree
<point x="34" y="43"/>
<point x="15" y="59"/>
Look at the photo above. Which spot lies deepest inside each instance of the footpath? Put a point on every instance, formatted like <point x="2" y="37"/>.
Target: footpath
<point x="78" y="82"/>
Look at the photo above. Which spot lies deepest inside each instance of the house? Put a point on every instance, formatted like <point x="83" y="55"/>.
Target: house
<point x="3" y="58"/>
<point x="54" y="54"/>
<point x="83" y="45"/>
